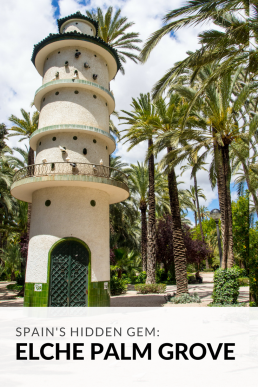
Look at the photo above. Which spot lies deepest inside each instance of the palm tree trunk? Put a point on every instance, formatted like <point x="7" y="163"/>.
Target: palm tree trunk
<point x="223" y="180"/>
<point x="151" y="238"/>
<point x="178" y="241"/>
<point x="143" y="208"/>
<point x="195" y="215"/>
<point x="199" y="216"/>
<point x="31" y="157"/>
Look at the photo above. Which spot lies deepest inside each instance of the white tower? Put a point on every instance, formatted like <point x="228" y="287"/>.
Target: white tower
<point x="71" y="185"/>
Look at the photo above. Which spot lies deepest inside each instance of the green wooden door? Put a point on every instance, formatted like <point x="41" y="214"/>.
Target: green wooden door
<point x="69" y="274"/>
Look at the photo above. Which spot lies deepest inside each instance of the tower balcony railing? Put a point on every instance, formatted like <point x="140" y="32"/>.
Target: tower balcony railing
<point x="71" y="168"/>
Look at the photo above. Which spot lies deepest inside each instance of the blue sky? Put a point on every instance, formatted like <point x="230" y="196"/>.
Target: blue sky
<point x="25" y="23"/>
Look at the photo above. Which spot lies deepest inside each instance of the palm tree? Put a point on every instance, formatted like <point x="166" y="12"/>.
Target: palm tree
<point x="139" y="188"/>
<point x="165" y="123"/>
<point x="195" y="164"/>
<point x="112" y="29"/>
<point x="11" y="256"/>
<point x="230" y="46"/>
<point x="124" y="224"/>
<point x="192" y="195"/>
<point x="141" y="130"/>
<point x="24" y="128"/>
<point x="223" y="128"/>
<point x="139" y="184"/>
<point x="204" y="212"/>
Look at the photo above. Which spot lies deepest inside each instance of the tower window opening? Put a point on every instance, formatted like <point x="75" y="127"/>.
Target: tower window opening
<point x="84" y="151"/>
<point x="76" y="92"/>
<point x="58" y="52"/>
<point x="47" y="203"/>
<point x="54" y="139"/>
<point x="75" y="137"/>
<point x="57" y="92"/>
<point x="94" y="96"/>
<point x="94" y="141"/>
<point x="93" y="203"/>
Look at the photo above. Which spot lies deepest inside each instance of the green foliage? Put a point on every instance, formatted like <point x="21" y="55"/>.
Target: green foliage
<point x="139" y="278"/>
<point x="184" y="298"/>
<point x="240" y="227"/>
<point x="150" y="288"/>
<point x="20" y="278"/>
<point x="14" y="287"/>
<point x="253" y="264"/>
<point x="226" y="286"/>
<point x="243" y="281"/>
<point x="117" y="286"/>
<point x="208" y="270"/>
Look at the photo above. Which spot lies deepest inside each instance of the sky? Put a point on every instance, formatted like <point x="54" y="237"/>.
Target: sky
<point x="25" y="23"/>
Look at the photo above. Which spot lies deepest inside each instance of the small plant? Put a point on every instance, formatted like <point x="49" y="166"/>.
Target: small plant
<point x="226" y="286"/>
<point x="184" y="298"/>
<point x="14" y="287"/>
<point x="150" y="288"/>
<point x="117" y="286"/>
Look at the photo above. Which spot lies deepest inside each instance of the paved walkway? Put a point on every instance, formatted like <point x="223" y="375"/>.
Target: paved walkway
<point x="132" y="299"/>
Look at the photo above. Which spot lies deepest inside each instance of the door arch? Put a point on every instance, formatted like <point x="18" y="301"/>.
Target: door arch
<point x="69" y="273"/>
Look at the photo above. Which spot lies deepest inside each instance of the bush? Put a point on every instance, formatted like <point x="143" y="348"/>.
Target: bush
<point x="14" y="287"/>
<point x="20" y="278"/>
<point x="117" y="286"/>
<point x="184" y="298"/>
<point x="208" y="270"/>
<point x="150" y="288"/>
<point x="226" y="286"/>
<point x="243" y="281"/>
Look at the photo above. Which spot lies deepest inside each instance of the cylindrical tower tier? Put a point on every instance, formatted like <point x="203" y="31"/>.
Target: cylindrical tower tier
<point x="71" y="184"/>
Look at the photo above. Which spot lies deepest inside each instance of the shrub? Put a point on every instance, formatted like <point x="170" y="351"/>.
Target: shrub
<point x="208" y="270"/>
<point x="243" y="281"/>
<point x="226" y="286"/>
<point x="117" y="286"/>
<point x="184" y="298"/>
<point x="14" y="287"/>
<point x="150" y="288"/>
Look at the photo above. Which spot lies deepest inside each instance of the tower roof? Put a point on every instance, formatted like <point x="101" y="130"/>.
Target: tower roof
<point x="76" y="36"/>
<point x="77" y="15"/>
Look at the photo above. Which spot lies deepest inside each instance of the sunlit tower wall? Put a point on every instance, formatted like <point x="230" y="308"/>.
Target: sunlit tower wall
<point x="71" y="185"/>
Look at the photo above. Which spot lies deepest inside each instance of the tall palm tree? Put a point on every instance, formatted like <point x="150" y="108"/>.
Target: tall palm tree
<point x="165" y="123"/>
<point x="223" y="128"/>
<point x="139" y="184"/>
<point x="192" y="195"/>
<point x="140" y="130"/>
<point x="25" y="127"/>
<point x="112" y="29"/>
<point x="196" y="164"/>
<point x="139" y="189"/>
